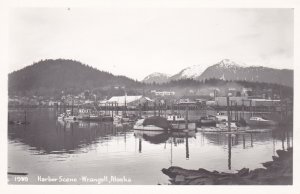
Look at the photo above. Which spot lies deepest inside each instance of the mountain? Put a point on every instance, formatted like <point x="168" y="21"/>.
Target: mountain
<point x="192" y="72"/>
<point x="56" y="75"/>
<point x="156" y="78"/>
<point x="230" y="70"/>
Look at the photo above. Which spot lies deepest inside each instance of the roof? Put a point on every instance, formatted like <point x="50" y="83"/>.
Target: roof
<point x="148" y="99"/>
<point x="265" y="100"/>
<point x="121" y="99"/>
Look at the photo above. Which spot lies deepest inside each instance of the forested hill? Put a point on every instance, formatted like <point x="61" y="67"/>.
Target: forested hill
<point x="49" y="76"/>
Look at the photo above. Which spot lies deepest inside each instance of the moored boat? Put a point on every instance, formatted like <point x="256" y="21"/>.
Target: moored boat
<point x="89" y="115"/>
<point x="207" y="121"/>
<point x="221" y="117"/>
<point x="67" y="116"/>
<point x="178" y="122"/>
<point x="175" y="118"/>
<point x="154" y="123"/>
<point x="260" y="121"/>
<point x="183" y="126"/>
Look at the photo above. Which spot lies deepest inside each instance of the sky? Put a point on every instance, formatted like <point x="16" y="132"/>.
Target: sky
<point x="138" y="41"/>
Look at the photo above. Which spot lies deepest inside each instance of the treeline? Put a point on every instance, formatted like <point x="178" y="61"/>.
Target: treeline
<point x="51" y="77"/>
<point x="54" y="76"/>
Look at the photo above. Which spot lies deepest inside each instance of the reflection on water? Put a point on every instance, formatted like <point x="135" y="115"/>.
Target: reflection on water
<point x="48" y="147"/>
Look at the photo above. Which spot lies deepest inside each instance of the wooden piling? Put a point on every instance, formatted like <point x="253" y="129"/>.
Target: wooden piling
<point x="187" y="153"/>
<point x="72" y="112"/>
<point x="140" y="145"/>
<point x="230" y="109"/>
<point x="140" y="110"/>
<point x="186" y="116"/>
<point x="243" y="109"/>
<point x="236" y="112"/>
<point x="154" y="109"/>
<point x="112" y="110"/>
<point x="25" y="116"/>
<point x="251" y="108"/>
<point x="117" y="107"/>
<point x="159" y="109"/>
<point x="228" y="114"/>
<point x="229" y="151"/>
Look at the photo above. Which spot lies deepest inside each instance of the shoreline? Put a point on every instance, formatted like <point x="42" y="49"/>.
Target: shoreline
<point x="279" y="171"/>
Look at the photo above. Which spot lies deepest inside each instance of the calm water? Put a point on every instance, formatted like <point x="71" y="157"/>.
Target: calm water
<point x="47" y="147"/>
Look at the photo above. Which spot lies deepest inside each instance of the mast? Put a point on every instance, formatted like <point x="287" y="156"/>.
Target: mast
<point x="125" y="105"/>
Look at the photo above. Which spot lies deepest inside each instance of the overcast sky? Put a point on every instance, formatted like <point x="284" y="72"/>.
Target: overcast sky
<point x="137" y="42"/>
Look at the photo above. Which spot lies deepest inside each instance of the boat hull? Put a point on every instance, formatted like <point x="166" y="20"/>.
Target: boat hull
<point x="68" y="118"/>
<point x="139" y="125"/>
<point x="259" y="122"/>
<point x="182" y="126"/>
<point x="220" y="130"/>
<point x="95" y="118"/>
<point x="211" y="123"/>
<point x="147" y="128"/>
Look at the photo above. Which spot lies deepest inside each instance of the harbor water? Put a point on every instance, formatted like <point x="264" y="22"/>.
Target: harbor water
<point x="57" y="152"/>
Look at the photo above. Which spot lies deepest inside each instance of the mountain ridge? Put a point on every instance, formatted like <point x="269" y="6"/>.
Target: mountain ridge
<point x="228" y="69"/>
<point x="156" y="77"/>
<point x="63" y="74"/>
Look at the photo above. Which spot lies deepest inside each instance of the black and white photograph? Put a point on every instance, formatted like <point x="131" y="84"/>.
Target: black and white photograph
<point x="150" y="96"/>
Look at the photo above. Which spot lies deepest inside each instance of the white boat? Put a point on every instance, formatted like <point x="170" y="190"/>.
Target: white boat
<point x="221" y="117"/>
<point x="117" y="119"/>
<point x="260" y="121"/>
<point x="222" y="127"/>
<point x="67" y="116"/>
<point x="139" y="126"/>
<point x="265" y="130"/>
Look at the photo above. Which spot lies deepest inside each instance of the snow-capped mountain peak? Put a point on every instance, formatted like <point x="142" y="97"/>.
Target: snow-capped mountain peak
<point x="156" y="77"/>
<point x="227" y="63"/>
<point x="193" y="71"/>
<point x="156" y="74"/>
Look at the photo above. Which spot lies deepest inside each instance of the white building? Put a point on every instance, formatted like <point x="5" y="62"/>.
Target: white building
<point x="131" y="101"/>
<point x="165" y="93"/>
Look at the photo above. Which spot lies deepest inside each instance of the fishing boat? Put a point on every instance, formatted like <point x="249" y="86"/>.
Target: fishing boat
<point x="140" y="126"/>
<point x="221" y="117"/>
<point x="175" y="118"/>
<point x="178" y="122"/>
<point x="222" y="127"/>
<point x="208" y="120"/>
<point x="125" y="118"/>
<point x="259" y="130"/>
<point x="260" y="121"/>
<point x="67" y="116"/>
<point x="154" y="123"/>
<point x="89" y="115"/>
